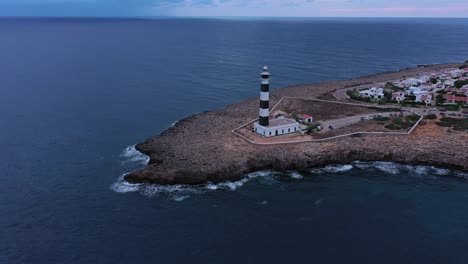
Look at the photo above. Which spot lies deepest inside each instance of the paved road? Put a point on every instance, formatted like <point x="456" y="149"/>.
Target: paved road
<point x="350" y="120"/>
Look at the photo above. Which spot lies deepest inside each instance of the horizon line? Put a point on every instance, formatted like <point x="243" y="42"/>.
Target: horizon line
<point x="220" y="17"/>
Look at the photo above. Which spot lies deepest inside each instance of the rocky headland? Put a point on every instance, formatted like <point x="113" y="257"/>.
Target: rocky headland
<point x="201" y="148"/>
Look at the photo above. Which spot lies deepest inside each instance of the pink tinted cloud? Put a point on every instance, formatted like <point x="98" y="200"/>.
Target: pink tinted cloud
<point x="445" y="9"/>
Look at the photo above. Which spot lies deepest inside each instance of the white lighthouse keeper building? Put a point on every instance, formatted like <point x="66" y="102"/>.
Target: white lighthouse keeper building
<point x="275" y="127"/>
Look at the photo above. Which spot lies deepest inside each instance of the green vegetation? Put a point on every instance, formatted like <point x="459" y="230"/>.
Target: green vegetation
<point x="433" y="80"/>
<point x="383" y="101"/>
<point x="412" y="119"/>
<point x="313" y="128"/>
<point x="296" y="117"/>
<point x="463" y="66"/>
<point x="452" y="107"/>
<point x="400" y="123"/>
<point x="392" y="127"/>
<point x="431" y="116"/>
<point x="380" y="109"/>
<point x="460" y="124"/>
<point x="461" y="83"/>
<point x="440" y="99"/>
<point x="354" y="95"/>
<point x="382" y="118"/>
<point x="393" y="87"/>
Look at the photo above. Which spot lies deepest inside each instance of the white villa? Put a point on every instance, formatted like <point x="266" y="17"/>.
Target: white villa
<point x="426" y="86"/>
<point x="374" y="93"/>
<point x="409" y="82"/>
<point x="413" y="90"/>
<point x="398" y="96"/>
<point x="423" y="97"/>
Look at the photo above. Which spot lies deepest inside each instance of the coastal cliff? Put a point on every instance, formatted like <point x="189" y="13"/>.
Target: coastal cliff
<point x="201" y="148"/>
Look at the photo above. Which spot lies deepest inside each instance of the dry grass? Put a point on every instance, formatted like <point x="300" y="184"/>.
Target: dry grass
<point x="321" y="110"/>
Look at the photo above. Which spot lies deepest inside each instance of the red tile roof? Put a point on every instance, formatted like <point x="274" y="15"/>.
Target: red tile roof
<point x="456" y="98"/>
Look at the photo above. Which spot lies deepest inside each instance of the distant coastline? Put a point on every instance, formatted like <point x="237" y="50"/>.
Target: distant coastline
<point x="201" y="148"/>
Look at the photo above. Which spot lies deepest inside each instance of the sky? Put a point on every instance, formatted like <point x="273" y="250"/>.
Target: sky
<point x="254" y="8"/>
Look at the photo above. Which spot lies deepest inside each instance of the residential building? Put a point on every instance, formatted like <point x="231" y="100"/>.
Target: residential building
<point x="453" y="99"/>
<point x="398" y="96"/>
<point x="374" y="93"/>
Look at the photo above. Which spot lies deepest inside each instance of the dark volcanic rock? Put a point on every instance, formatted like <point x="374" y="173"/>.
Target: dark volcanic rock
<point x="201" y="147"/>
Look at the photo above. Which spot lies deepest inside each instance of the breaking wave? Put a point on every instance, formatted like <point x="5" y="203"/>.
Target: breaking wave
<point x="131" y="154"/>
<point x="461" y="175"/>
<point x="182" y="192"/>
<point x="122" y="186"/>
<point x="295" y="175"/>
<point x="332" y="169"/>
<point x="173" y="124"/>
<point x="396" y="168"/>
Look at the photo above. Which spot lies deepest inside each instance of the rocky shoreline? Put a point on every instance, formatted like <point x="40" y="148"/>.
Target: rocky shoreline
<point x="201" y="148"/>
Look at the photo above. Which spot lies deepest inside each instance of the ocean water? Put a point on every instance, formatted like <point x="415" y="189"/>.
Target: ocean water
<point x="77" y="94"/>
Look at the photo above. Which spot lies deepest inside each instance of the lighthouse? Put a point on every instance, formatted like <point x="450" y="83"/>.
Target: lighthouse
<point x="277" y="126"/>
<point x="265" y="98"/>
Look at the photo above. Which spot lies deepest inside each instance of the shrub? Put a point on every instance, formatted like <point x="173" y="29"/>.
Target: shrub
<point x="398" y="121"/>
<point x="380" y="109"/>
<point x="431" y="116"/>
<point x="412" y="118"/>
<point x="382" y="118"/>
<point x="440" y="99"/>
<point x="383" y="101"/>
<point x="460" y="124"/>
<point x="460" y="83"/>
<point x="452" y="107"/>
<point x="392" y="127"/>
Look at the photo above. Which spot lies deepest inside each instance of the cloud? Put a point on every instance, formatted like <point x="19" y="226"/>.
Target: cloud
<point x="241" y="7"/>
<point x="297" y="8"/>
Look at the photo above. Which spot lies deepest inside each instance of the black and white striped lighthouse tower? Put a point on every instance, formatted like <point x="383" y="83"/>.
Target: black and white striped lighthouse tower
<point x="265" y="98"/>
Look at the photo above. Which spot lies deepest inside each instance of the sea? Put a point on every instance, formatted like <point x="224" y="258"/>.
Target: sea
<point x="76" y="95"/>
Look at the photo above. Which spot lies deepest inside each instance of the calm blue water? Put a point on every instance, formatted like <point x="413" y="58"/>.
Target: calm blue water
<point x="75" y="93"/>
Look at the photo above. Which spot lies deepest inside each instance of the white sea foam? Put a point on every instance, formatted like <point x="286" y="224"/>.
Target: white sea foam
<point x="388" y="167"/>
<point x="173" y="124"/>
<point x="180" y="198"/>
<point x="419" y="170"/>
<point x="122" y="186"/>
<point x="395" y="168"/>
<point x="182" y="192"/>
<point x="151" y="190"/>
<point x="234" y="185"/>
<point x="461" y="175"/>
<point x="337" y="168"/>
<point x="440" y="171"/>
<point x="295" y="175"/>
<point x="362" y="165"/>
<point x="131" y="154"/>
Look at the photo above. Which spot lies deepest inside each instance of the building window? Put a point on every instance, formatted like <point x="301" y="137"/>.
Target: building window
<point x="295" y="128"/>
<point x="282" y="131"/>
<point x="270" y="133"/>
<point x="289" y="130"/>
